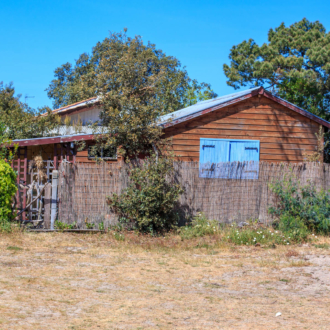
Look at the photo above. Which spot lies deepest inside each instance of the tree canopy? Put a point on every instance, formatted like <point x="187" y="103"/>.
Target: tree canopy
<point x="19" y="120"/>
<point x="136" y="83"/>
<point x="295" y="64"/>
<point x="74" y="83"/>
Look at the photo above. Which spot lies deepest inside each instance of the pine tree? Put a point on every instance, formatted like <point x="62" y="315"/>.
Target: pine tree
<point x="295" y="64"/>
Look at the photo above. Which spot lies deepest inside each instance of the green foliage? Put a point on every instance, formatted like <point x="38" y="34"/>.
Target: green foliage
<point x="199" y="226"/>
<point x="101" y="226"/>
<point x="8" y="189"/>
<point x="21" y="121"/>
<point x="136" y="83"/>
<point x="251" y="235"/>
<point x="14" y="248"/>
<point x="197" y="92"/>
<point x="322" y="246"/>
<point x="64" y="226"/>
<point x="148" y="203"/>
<point x="300" y="208"/>
<point x="111" y="56"/>
<point x="89" y="225"/>
<point x="118" y="236"/>
<point x="6" y="153"/>
<point x="295" y="63"/>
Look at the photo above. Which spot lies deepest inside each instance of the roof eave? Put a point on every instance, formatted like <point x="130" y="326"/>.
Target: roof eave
<point x="52" y="140"/>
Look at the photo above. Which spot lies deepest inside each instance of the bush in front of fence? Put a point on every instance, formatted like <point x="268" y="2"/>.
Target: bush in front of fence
<point x="148" y="204"/>
<point x="8" y="189"/>
<point x="299" y="209"/>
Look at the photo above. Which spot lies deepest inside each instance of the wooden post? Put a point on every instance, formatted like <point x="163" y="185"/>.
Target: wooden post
<point x="25" y="178"/>
<point x="68" y="152"/>
<point x="61" y="152"/>
<point x="47" y="206"/>
<point x="55" y="156"/>
<point x="54" y="199"/>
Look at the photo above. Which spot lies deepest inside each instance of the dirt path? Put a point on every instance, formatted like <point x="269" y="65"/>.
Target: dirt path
<point x="63" y="281"/>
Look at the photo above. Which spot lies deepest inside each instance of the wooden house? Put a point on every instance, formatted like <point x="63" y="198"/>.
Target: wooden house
<point x="248" y="125"/>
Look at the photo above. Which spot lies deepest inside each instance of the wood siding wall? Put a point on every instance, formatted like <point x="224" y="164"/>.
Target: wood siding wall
<point x="284" y="135"/>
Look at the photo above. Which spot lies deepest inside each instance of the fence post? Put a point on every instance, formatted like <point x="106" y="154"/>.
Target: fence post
<point x="47" y="205"/>
<point x="54" y="199"/>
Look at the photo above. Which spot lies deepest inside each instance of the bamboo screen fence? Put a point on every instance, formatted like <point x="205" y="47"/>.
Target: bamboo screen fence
<point x="83" y="189"/>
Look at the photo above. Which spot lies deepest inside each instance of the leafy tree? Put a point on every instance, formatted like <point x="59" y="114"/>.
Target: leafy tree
<point x="77" y="82"/>
<point x="295" y="63"/>
<point x="21" y="121"/>
<point x="136" y="84"/>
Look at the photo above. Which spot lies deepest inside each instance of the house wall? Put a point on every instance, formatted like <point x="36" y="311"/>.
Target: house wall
<point x="284" y="135"/>
<point x="87" y="116"/>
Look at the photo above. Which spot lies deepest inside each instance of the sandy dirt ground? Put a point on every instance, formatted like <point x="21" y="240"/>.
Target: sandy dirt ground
<point x="76" y="281"/>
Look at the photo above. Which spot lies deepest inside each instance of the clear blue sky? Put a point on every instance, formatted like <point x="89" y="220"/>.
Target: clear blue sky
<point x="37" y="36"/>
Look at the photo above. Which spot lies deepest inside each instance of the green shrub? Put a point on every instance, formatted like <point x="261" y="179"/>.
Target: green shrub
<point x="148" y="204"/>
<point x="300" y="208"/>
<point x="199" y="226"/>
<point x="8" y="189"/>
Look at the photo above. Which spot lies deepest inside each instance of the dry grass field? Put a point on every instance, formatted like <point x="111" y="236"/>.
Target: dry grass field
<point x="76" y="281"/>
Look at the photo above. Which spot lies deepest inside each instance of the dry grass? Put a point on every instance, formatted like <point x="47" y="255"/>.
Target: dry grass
<point x="75" y="281"/>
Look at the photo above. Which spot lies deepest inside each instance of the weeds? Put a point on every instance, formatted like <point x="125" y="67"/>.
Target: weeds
<point x="322" y="246"/>
<point x="200" y="226"/>
<point x="15" y="248"/>
<point x="300" y="209"/>
<point x="64" y="226"/>
<point x="252" y="235"/>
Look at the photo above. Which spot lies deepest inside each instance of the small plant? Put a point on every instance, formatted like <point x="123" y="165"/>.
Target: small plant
<point x="118" y="236"/>
<point x="15" y="248"/>
<point x="300" y="209"/>
<point x="199" y="226"/>
<point x="65" y="226"/>
<point x="101" y="226"/>
<point x="284" y="280"/>
<point x="89" y="225"/>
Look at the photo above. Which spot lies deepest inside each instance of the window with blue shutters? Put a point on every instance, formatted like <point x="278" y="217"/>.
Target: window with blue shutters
<point x="229" y="159"/>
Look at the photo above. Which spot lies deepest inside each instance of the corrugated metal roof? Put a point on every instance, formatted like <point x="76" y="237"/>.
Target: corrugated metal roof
<point x="200" y="106"/>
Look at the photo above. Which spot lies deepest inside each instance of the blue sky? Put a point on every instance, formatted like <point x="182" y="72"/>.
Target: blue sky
<point x="37" y="36"/>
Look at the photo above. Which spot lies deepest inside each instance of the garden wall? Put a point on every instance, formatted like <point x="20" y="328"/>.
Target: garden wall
<point x="83" y="189"/>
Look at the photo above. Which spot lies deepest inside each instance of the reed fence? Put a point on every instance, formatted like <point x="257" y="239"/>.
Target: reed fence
<point x="83" y="188"/>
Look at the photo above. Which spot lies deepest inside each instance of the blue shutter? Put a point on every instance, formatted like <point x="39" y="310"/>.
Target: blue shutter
<point x="247" y="152"/>
<point x="211" y="153"/>
<point x="241" y="158"/>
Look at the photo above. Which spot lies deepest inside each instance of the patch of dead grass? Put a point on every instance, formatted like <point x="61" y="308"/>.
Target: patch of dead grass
<point x="76" y="281"/>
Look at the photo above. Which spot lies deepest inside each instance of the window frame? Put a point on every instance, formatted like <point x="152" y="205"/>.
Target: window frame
<point x="104" y="158"/>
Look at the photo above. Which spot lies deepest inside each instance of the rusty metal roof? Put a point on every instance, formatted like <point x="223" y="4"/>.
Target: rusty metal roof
<point x="189" y="112"/>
